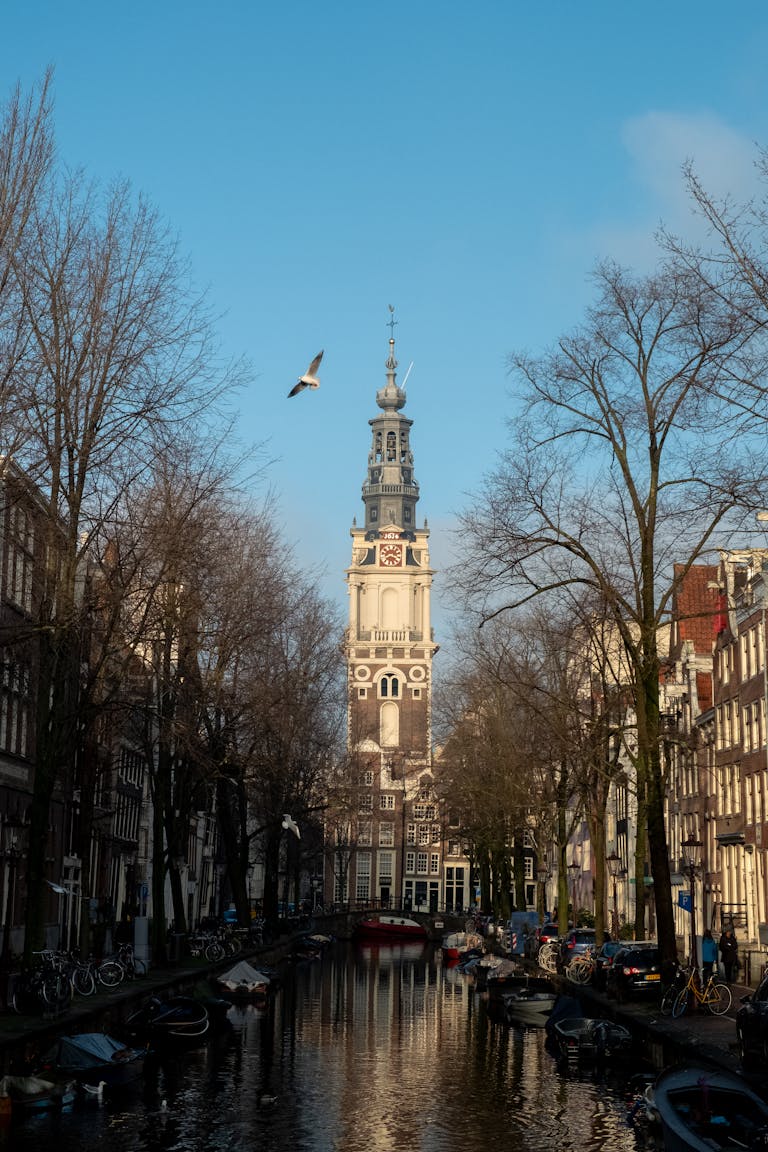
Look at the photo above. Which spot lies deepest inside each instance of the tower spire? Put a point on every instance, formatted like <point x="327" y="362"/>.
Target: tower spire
<point x="390" y="491"/>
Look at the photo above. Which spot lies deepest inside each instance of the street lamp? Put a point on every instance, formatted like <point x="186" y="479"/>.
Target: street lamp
<point x="573" y="870"/>
<point x="542" y="875"/>
<point x="614" y="867"/>
<point x="692" y="854"/>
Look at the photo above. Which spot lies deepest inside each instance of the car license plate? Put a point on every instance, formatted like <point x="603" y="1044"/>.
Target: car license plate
<point x="653" y="976"/>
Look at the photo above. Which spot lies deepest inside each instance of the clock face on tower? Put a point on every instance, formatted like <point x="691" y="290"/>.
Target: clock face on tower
<point x="390" y="555"/>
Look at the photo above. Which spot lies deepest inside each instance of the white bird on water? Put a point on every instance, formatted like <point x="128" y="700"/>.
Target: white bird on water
<point x="290" y="823"/>
<point x="309" y="379"/>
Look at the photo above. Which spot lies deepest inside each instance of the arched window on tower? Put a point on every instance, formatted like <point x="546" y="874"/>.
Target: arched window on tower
<point x="389" y="685"/>
<point x="378" y="446"/>
<point x="391" y="446"/>
<point x="403" y="447"/>
<point x="389" y="725"/>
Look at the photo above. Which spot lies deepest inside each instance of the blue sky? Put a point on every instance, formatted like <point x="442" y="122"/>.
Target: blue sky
<point x="467" y="163"/>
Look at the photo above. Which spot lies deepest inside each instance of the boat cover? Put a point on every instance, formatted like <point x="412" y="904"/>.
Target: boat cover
<point x="86" y="1050"/>
<point x="243" y="973"/>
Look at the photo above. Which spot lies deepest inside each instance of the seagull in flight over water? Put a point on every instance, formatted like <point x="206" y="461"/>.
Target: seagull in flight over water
<point x="289" y="822"/>
<point x="309" y="379"/>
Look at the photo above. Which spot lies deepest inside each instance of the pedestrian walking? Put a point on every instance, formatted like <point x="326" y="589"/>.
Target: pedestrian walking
<point x="708" y="954"/>
<point x="729" y="954"/>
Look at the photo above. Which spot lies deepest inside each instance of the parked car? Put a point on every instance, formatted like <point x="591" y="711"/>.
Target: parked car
<point x="604" y="960"/>
<point x="635" y="971"/>
<point x="576" y="943"/>
<point x="541" y="935"/>
<point x="752" y="1025"/>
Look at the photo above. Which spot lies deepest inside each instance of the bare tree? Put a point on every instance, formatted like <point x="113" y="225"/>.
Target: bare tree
<point x="616" y="470"/>
<point x="26" y="151"/>
<point x="120" y="362"/>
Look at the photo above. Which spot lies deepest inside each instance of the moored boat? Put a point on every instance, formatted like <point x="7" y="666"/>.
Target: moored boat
<point x="244" y="982"/>
<point x="456" y="945"/>
<point x="178" y="1021"/>
<point x="528" y="1006"/>
<point x="390" y="928"/>
<point x="704" y="1110"/>
<point x="580" y="1038"/>
<point x="23" y="1094"/>
<point x="93" y="1058"/>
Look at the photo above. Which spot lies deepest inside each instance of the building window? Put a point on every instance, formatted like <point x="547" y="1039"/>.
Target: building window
<point x="387" y="801"/>
<point x="385" y="868"/>
<point x="368" y="779"/>
<point x="410" y="862"/>
<point x="363" y="879"/>
<point x="15" y="704"/>
<point x="364" y="834"/>
<point x="436" y="834"/>
<point x="424" y="836"/>
<point x="421" y="863"/>
<point x="528" y="865"/>
<point x="434" y="863"/>
<point x="386" y="834"/>
<point x="20" y="559"/>
<point x="417" y="693"/>
<point x="366" y="804"/>
<point x="389" y="685"/>
<point x="410" y="834"/>
<point x="362" y="693"/>
<point x="454" y="848"/>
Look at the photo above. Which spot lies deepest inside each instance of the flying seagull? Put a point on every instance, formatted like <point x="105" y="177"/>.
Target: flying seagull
<point x="56" y="887"/>
<point x="289" y="822"/>
<point x="308" y="380"/>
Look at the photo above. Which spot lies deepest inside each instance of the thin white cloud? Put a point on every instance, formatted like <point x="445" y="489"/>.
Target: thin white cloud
<point x="659" y="143"/>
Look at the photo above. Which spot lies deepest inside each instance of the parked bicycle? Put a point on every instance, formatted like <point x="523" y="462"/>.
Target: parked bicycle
<point x="713" y="995"/>
<point x="44" y="988"/>
<point x="582" y="967"/>
<point x="549" y="956"/>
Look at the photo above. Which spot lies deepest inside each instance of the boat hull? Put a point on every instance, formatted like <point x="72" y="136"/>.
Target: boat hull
<point x="701" y="1110"/>
<point x="391" y="928"/>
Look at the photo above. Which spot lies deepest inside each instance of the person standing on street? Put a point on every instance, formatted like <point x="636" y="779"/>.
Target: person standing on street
<point x="708" y="954"/>
<point x="729" y="954"/>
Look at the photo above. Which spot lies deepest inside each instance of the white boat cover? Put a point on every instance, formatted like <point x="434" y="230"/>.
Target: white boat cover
<point x="243" y="973"/>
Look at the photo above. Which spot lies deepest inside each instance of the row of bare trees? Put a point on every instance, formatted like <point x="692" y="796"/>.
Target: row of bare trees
<point x="636" y="443"/>
<point x="164" y="603"/>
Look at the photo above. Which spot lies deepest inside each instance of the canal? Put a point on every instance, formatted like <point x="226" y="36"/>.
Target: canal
<point x="370" y="1048"/>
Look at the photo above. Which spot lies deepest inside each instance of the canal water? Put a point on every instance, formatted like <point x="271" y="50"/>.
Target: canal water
<point x="369" y="1049"/>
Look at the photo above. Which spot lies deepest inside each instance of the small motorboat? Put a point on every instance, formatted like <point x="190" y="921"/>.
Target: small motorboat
<point x="244" y="982"/>
<point x="704" y="1110"/>
<point x="528" y="1006"/>
<point x="457" y="946"/>
<point x="94" y="1057"/>
<point x="582" y="1039"/>
<point x="390" y="928"/>
<point x="178" y="1021"/>
<point x="23" y="1094"/>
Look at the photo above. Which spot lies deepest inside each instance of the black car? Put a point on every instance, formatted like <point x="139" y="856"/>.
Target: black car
<point x="752" y="1025"/>
<point x="604" y="960"/>
<point x="635" y="971"/>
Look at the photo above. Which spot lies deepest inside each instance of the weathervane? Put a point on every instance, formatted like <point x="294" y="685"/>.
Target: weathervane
<point x="392" y="322"/>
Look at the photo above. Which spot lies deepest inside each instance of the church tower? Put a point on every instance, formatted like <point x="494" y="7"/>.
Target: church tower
<point x="395" y="852"/>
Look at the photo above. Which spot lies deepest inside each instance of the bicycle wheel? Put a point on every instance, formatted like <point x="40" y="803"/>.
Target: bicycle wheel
<point x="214" y="951"/>
<point x="83" y="982"/>
<point x="110" y="973"/>
<point x="56" y="990"/>
<point x="718" y="999"/>
<point x="668" y="1000"/>
<point x="680" y="1004"/>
